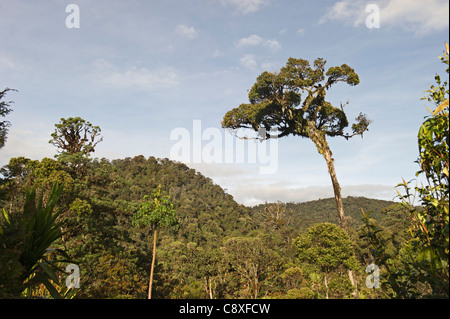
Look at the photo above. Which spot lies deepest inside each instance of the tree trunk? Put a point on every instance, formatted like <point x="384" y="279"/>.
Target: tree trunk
<point x="322" y="146"/>
<point x="336" y="187"/>
<point x="153" y="264"/>
<point x="210" y="289"/>
<point x="208" y="284"/>
<point x="326" y="284"/>
<point x="354" y="284"/>
<point x="256" y="288"/>
<point x="320" y="141"/>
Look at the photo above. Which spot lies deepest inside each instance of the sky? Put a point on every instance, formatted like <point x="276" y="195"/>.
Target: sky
<point x="158" y="76"/>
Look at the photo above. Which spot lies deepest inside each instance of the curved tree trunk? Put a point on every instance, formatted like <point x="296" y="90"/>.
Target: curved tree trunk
<point x="321" y="143"/>
<point x="336" y="188"/>
<point x="153" y="264"/>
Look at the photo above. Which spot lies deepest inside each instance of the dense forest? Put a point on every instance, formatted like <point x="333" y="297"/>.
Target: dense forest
<point x="206" y="255"/>
<point x="129" y="222"/>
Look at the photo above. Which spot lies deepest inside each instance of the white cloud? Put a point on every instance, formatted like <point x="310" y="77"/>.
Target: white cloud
<point x="139" y="78"/>
<point x="30" y="143"/>
<point x="222" y="171"/>
<point x="250" y="188"/>
<point x="420" y="17"/>
<point x="273" y="45"/>
<point x="257" y="193"/>
<point x="217" y="53"/>
<point x="246" y="6"/>
<point x="251" y="40"/>
<point x="255" y="40"/>
<point x="186" y="31"/>
<point x="249" y="61"/>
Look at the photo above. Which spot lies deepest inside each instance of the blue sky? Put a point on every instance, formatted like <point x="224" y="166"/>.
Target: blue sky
<point x="140" y="69"/>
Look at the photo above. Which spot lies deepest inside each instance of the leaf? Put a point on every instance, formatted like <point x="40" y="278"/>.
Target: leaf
<point x="53" y="292"/>
<point x="445" y="171"/>
<point x="6" y="216"/>
<point x="50" y="273"/>
<point x="441" y="107"/>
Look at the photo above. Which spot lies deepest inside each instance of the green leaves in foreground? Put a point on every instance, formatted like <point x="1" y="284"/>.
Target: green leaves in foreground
<point x="37" y="229"/>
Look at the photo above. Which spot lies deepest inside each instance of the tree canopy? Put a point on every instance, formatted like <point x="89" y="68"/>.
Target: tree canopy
<point x="75" y="135"/>
<point x="276" y="101"/>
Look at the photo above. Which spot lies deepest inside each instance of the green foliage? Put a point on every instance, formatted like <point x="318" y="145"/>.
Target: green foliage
<point x="11" y="243"/>
<point x="75" y="136"/>
<point x="158" y="211"/>
<point x="422" y="267"/>
<point x="27" y="240"/>
<point x="4" y="110"/>
<point x="438" y="94"/>
<point x="430" y="228"/>
<point x="276" y="101"/>
<point x="297" y="217"/>
<point x="327" y="246"/>
<point x="81" y="207"/>
<point x="205" y="258"/>
<point x="218" y="248"/>
<point x="254" y="261"/>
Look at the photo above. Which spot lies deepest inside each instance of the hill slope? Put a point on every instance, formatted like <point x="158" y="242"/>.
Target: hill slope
<point x="305" y="214"/>
<point x="114" y="256"/>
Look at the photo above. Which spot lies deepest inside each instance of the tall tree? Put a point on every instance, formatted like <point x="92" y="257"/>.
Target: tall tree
<point x="4" y="110"/>
<point x="74" y="136"/>
<point x="276" y="103"/>
<point x="157" y="213"/>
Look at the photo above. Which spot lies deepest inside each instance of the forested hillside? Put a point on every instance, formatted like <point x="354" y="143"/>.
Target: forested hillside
<point x="303" y="215"/>
<point x="204" y="257"/>
<point x="99" y="205"/>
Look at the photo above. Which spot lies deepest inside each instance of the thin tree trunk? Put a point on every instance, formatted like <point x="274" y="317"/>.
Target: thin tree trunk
<point x="326" y="284"/>
<point x="210" y="289"/>
<point x="324" y="149"/>
<point x="208" y="283"/>
<point x="340" y="208"/>
<point x="336" y="188"/>
<point x="320" y="141"/>
<point x="153" y="264"/>
<point x="354" y="284"/>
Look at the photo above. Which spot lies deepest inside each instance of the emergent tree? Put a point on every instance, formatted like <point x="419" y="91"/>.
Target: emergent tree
<point x="158" y="212"/>
<point x="75" y="136"/>
<point x="276" y="103"/>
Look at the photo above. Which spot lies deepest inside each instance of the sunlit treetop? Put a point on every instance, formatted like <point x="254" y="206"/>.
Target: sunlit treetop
<point x="294" y="98"/>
